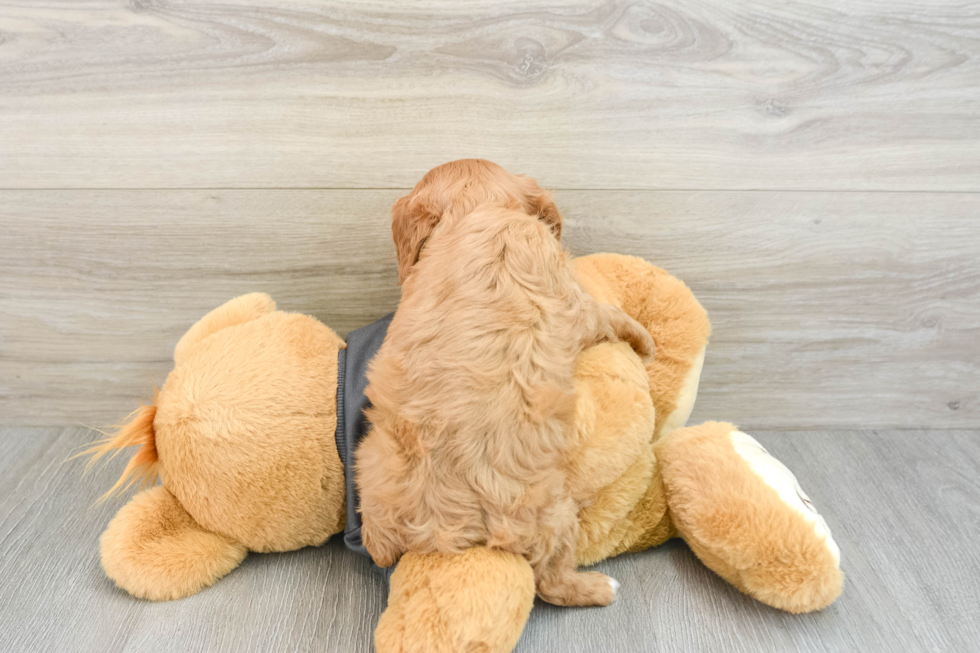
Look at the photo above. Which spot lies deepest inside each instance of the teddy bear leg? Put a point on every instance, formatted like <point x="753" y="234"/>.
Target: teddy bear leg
<point x="745" y="516"/>
<point x="154" y="550"/>
<point x="478" y="600"/>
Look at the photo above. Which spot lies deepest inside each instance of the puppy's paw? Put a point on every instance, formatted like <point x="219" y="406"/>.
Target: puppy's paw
<point x="381" y="550"/>
<point x="639" y="339"/>
<point x="615" y="586"/>
<point x="596" y="589"/>
<point x="581" y="589"/>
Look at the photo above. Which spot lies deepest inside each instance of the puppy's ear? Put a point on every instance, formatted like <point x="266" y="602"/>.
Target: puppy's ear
<point x="412" y="221"/>
<point x="547" y="211"/>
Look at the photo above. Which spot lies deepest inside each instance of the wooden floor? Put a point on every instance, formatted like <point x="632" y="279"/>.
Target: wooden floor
<point x="811" y="169"/>
<point x="904" y="506"/>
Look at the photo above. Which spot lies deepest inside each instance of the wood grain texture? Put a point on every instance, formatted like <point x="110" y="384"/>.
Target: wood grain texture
<point x="829" y="309"/>
<point x="97" y="287"/>
<point x="903" y="506"/>
<point x="855" y="94"/>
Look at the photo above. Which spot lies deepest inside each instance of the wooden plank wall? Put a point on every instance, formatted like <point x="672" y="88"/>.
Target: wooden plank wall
<point x="811" y="170"/>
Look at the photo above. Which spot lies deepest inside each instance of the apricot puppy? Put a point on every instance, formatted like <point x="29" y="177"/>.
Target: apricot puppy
<point x="472" y="390"/>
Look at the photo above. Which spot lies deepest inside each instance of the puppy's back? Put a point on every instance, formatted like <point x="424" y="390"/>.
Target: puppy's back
<point x="489" y="295"/>
<point x="472" y="391"/>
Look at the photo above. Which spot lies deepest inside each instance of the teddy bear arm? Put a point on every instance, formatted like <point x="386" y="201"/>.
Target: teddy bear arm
<point x="670" y="312"/>
<point x="154" y="550"/>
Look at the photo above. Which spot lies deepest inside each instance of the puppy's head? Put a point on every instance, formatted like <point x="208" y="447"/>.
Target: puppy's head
<point x="454" y="189"/>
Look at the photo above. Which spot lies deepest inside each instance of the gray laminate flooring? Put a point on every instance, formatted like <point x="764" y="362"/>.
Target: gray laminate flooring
<point x="903" y="505"/>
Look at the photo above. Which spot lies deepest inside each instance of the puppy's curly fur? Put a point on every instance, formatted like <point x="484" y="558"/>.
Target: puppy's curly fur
<point x="473" y="390"/>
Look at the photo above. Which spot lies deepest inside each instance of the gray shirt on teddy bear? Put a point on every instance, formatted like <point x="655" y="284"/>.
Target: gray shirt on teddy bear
<point x="352" y="425"/>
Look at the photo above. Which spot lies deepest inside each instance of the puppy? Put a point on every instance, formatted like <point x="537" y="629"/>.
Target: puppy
<point x="472" y="390"/>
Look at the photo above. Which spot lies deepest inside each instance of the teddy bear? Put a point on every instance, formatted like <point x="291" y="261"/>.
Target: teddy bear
<point x="247" y="437"/>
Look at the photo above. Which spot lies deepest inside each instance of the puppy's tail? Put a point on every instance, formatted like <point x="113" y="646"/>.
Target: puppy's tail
<point x="143" y="467"/>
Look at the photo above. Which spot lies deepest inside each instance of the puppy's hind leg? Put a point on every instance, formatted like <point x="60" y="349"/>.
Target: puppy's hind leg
<point x="555" y="575"/>
<point x="382" y="548"/>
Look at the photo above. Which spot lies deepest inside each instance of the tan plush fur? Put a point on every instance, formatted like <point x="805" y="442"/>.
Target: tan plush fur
<point x="237" y="311"/>
<point x="476" y="601"/>
<point x="680" y="328"/>
<point x="664" y="306"/>
<point x="242" y="435"/>
<point x="738" y="525"/>
<point x="610" y="462"/>
<point x="260" y="397"/>
<point x="473" y="395"/>
<point x="252" y="384"/>
<point x="154" y="550"/>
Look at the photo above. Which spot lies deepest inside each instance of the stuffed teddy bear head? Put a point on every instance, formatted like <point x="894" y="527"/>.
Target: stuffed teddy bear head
<point x="245" y="428"/>
<point x="242" y="438"/>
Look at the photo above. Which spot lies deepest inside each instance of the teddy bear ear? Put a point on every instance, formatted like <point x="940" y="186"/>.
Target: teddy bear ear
<point x="154" y="550"/>
<point x="236" y="311"/>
